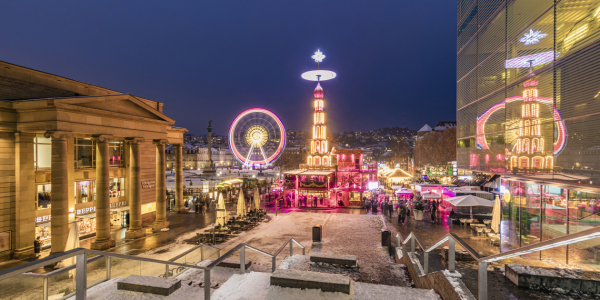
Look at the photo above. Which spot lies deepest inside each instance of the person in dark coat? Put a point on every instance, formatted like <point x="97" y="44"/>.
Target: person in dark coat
<point x="401" y="214"/>
<point x="37" y="246"/>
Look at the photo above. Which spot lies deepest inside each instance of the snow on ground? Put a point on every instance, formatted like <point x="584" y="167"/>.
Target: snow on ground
<point x="255" y="285"/>
<point x="456" y="282"/>
<point x="564" y="273"/>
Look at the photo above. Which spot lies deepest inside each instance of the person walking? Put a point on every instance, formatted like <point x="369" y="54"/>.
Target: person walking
<point x="401" y="215"/>
<point x="390" y="210"/>
<point x="37" y="246"/>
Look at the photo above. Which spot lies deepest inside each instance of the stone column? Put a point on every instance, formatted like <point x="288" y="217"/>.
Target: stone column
<point x="135" y="190"/>
<point x="25" y="193"/>
<point x="179" y="207"/>
<point x="161" y="187"/>
<point x="60" y="190"/>
<point x="103" y="240"/>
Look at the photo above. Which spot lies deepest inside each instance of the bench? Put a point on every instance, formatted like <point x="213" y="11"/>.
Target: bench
<point x="148" y="284"/>
<point x="311" y="280"/>
<point x="342" y="260"/>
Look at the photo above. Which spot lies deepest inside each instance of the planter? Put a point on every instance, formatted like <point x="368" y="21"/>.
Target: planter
<point x="418" y="215"/>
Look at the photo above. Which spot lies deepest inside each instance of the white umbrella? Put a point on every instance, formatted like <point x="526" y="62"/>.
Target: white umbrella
<point x="470" y="201"/>
<point x="256" y="199"/>
<point x="221" y="211"/>
<point x="241" y="205"/>
<point x="496" y="215"/>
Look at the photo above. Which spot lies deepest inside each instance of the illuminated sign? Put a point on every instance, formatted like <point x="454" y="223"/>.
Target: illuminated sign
<point x="86" y="210"/>
<point x="148" y="184"/>
<point x="43" y="219"/>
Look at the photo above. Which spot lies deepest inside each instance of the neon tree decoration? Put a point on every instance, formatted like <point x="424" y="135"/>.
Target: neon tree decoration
<point x="319" y="155"/>
<point x="257" y="137"/>
<point x="532" y="37"/>
<point x="318" y="57"/>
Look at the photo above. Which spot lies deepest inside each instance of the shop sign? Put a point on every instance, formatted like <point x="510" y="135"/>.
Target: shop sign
<point x="86" y="210"/>
<point x="148" y="184"/>
<point x="43" y="219"/>
<point x="118" y="204"/>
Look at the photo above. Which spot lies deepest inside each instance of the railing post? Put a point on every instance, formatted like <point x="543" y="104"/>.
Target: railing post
<point x="303" y="253"/>
<point x="291" y="249"/>
<point x="398" y="242"/>
<point x="108" y="268"/>
<point x="81" y="276"/>
<point x="206" y="284"/>
<point x="426" y="262"/>
<point x="451" y="255"/>
<point x="412" y="244"/>
<point x="482" y="284"/>
<point x="273" y="263"/>
<point x="45" y="291"/>
<point x="166" y="271"/>
<point x="243" y="259"/>
<point x="202" y="253"/>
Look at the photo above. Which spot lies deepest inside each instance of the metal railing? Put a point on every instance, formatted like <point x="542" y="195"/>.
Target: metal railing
<point x="482" y="284"/>
<point x="187" y="260"/>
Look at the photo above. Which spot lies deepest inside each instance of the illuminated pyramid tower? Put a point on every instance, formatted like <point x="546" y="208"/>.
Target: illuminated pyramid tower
<point x="319" y="156"/>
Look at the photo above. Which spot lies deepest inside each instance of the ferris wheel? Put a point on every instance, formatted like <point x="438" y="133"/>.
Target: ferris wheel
<point x="257" y="137"/>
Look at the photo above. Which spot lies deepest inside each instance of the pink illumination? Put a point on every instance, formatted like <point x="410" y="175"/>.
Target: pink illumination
<point x="530" y="60"/>
<point x="279" y="124"/>
<point x="529" y="83"/>
<point x="559" y="144"/>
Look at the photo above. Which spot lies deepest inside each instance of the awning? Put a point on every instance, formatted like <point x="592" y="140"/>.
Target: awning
<point x="293" y="172"/>
<point x="87" y="216"/>
<point x="122" y="208"/>
<point x="317" y="173"/>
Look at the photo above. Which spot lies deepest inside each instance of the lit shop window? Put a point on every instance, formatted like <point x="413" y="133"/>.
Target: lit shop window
<point x="42" y="148"/>
<point x="43" y="231"/>
<point x="117" y="187"/>
<point x="147" y="208"/>
<point x="115" y="154"/>
<point x="44" y="199"/>
<point x="85" y="153"/>
<point x="85" y="191"/>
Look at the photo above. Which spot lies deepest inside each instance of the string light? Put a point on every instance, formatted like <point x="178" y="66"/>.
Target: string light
<point x="532" y="37"/>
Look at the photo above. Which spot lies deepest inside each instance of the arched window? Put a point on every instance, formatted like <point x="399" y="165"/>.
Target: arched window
<point x="524" y="162"/>
<point x="317" y="161"/>
<point x="325" y="161"/>
<point x="527" y="128"/>
<point x="537" y="162"/>
<point x="513" y="162"/>
<point x="549" y="162"/>
<point x="309" y="160"/>
<point x="525" y="146"/>
<point x="534" y="145"/>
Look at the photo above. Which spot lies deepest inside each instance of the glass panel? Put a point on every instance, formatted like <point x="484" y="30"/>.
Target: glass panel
<point x="44" y="199"/>
<point x="124" y="267"/>
<point x="96" y="271"/>
<point x="153" y="269"/>
<point x="21" y="288"/>
<point x="554" y="223"/>
<point x="61" y="285"/>
<point x="117" y="187"/>
<point x="85" y="191"/>
<point x="584" y="212"/>
<point x="510" y="216"/>
<point x="530" y="228"/>
<point x="115" y="153"/>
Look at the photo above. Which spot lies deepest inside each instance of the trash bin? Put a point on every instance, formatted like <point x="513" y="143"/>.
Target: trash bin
<point x="386" y="238"/>
<point x="317" y="233"/>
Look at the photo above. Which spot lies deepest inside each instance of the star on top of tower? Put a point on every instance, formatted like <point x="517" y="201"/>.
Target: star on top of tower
<point x="318" y="57"/>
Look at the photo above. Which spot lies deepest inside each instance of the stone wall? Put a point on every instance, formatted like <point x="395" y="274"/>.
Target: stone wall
<point x="7" y="188"/>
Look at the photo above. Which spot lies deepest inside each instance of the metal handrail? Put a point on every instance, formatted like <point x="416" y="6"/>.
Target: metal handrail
<point x="452" y="238"/>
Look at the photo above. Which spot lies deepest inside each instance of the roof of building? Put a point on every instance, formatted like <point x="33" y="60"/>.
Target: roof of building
<point x="425" y="128"/>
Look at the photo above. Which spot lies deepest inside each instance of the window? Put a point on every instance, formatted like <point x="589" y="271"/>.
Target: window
<point x="42" y="148"/>
<point x="117" y="187"/>
<point x="85" y="153"/>
<point x="85" y="191"/>
<point x="115" y="153"/>
<point x="43" y="196"/>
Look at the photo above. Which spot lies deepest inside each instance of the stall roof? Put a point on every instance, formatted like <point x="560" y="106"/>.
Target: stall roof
<point x="399" y="173"/>
<point x="310" y="172"/>
<point x="294" y="172"/>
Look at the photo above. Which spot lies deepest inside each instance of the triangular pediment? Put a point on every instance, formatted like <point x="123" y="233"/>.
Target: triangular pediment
<point x="119" y="104"/>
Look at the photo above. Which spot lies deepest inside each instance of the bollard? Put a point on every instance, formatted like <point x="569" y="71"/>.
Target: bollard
<point x="317" y="233"/>
<point x="398" y="241"/>
<point x="386" y="238"/>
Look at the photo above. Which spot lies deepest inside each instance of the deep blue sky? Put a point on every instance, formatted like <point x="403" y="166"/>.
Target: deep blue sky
<point x="214" y="59"/>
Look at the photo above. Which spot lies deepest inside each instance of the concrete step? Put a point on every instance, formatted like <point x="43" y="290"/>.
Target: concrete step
<point x="149" y="284"/>
<point x="233" y="263"/>
<point x="334" y="260"/>
<point x="311" y="280"/>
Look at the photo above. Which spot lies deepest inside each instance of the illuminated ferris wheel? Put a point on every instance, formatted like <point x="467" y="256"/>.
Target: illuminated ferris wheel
<point x="257" y="137"/>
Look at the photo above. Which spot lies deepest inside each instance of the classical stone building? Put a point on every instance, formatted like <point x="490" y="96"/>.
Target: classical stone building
<point x="71" y="151"/>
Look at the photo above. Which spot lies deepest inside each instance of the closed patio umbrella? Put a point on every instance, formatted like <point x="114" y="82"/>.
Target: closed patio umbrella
<point x="241" y="205"/>
<point x="221" y="211"/>
<point x="496" y="215"/>
<point x="256" y="199"/>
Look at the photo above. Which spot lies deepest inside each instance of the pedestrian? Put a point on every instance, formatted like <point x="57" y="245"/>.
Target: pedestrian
<point x="390" y="210"/>
<point x="37" y="246"/>
<point x="433" y="216"/>
<point x="401" y="215"/>
<point x="407" y="214"/>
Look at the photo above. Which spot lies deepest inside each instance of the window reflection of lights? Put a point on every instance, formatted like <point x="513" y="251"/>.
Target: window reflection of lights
<point x="532" y="37"/>
<point x="575" y="35"/>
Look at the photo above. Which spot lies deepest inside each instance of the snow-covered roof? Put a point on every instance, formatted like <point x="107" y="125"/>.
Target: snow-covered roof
<point x="425" y="128"/>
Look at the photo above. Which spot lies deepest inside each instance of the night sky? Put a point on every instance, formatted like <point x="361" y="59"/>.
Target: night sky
<point x="214" y="59"/>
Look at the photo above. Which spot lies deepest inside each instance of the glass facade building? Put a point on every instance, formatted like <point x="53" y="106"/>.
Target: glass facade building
<point x="528" y="109"/>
